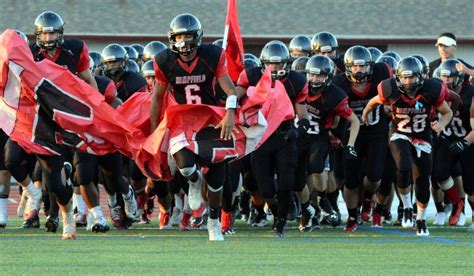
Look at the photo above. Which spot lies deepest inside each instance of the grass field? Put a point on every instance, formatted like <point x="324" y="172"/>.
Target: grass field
<point x="252" y="251"/>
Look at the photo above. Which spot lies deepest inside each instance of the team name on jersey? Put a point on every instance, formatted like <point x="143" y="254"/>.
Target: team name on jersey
<point x="410" y="110"/>
<point x="191" y="79"/>
<point x="358" y="103"/>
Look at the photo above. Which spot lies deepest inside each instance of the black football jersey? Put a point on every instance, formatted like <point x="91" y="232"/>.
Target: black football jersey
<point x="191" y="82"/>
<point x="130" y="83"/>
<point x="411" y="117"/>
<point x="460" y="125"/>
<point x="378" y="124"/>
<point x="68" y="55"/>
<point x="323" y="108"/>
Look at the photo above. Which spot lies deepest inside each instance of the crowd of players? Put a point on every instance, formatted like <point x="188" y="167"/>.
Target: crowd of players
<point x="371" y="125"/>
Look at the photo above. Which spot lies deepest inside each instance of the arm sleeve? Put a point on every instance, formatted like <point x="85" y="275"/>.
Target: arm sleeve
<point x="159" y="76"/>
<point x="221" y="69"/>
<point x="343" y="109"/>
<point x="83" y="63"/>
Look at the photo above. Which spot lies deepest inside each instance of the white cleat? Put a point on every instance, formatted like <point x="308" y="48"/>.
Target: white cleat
<point x="214" y="229"/>
<point x="194" y="193"/>
<point x="131" y="207"/>
<point x="462" y="220"/>
<point x="100" y="225"/>
<point x="440" y="219"/>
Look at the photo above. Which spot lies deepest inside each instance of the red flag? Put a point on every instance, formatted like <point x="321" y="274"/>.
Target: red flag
<point x="44" y="107"/>
<point x="191" y="127"/>
<point x="232" y="42"/>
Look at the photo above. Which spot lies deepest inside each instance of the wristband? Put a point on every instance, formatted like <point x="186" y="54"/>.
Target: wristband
<point x="231" y="102"/>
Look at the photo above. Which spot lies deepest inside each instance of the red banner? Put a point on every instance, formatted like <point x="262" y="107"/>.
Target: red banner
<point x="233" y="44"/>
<point x="44" y="107"/>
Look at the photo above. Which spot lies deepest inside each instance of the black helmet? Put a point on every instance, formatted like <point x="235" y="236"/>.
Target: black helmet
<point x="390" y="61"/>
<point x="218" y="42"/>
<point x="393" y="54"/>
<point x="299" y="64"/>
<point x="152" y="49"/>
<point x="96" y="58"/>
<point x="409" y="67"/>
<point x="250" y="61"/>
<point x="139" y="48"/>
<point x="301" y="43"/>
<point x="114" y="52"/>
<point x="275" y="52"/>
<point x="22" y="35"/>
<point x="358" y="55"/>
<point x="132" y="66"/>
<point x="147" y="69"/>
<point x="49" y="22"/>
<point x="132" y="53"/>
<point x="425" y="63"/>
<point x="319" y="65"/>
<point x="324" y="42"/>
<point x="374" y="52"/>
<point x="448" y="69"/>
<point x="185" y="23"/>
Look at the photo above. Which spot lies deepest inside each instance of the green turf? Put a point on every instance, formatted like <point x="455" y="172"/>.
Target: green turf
<point x="146" y="250"/>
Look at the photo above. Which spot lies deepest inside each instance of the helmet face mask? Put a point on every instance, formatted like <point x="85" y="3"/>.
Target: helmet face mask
<point x="409" y="76"/>
<point x="114" y="60"/>
<point x="358" y="57"/>
<point x="448" y="73"/>
<point x="181" y="27"/>
<point x="275" y="54"/>
<point x="49" y="22"/>
<point x="320" y="71"/>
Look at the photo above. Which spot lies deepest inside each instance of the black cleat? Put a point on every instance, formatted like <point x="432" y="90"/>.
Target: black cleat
<point x="99" y="228"/>
<point x="52" y="224"/>
<point x="33" y="222"/>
